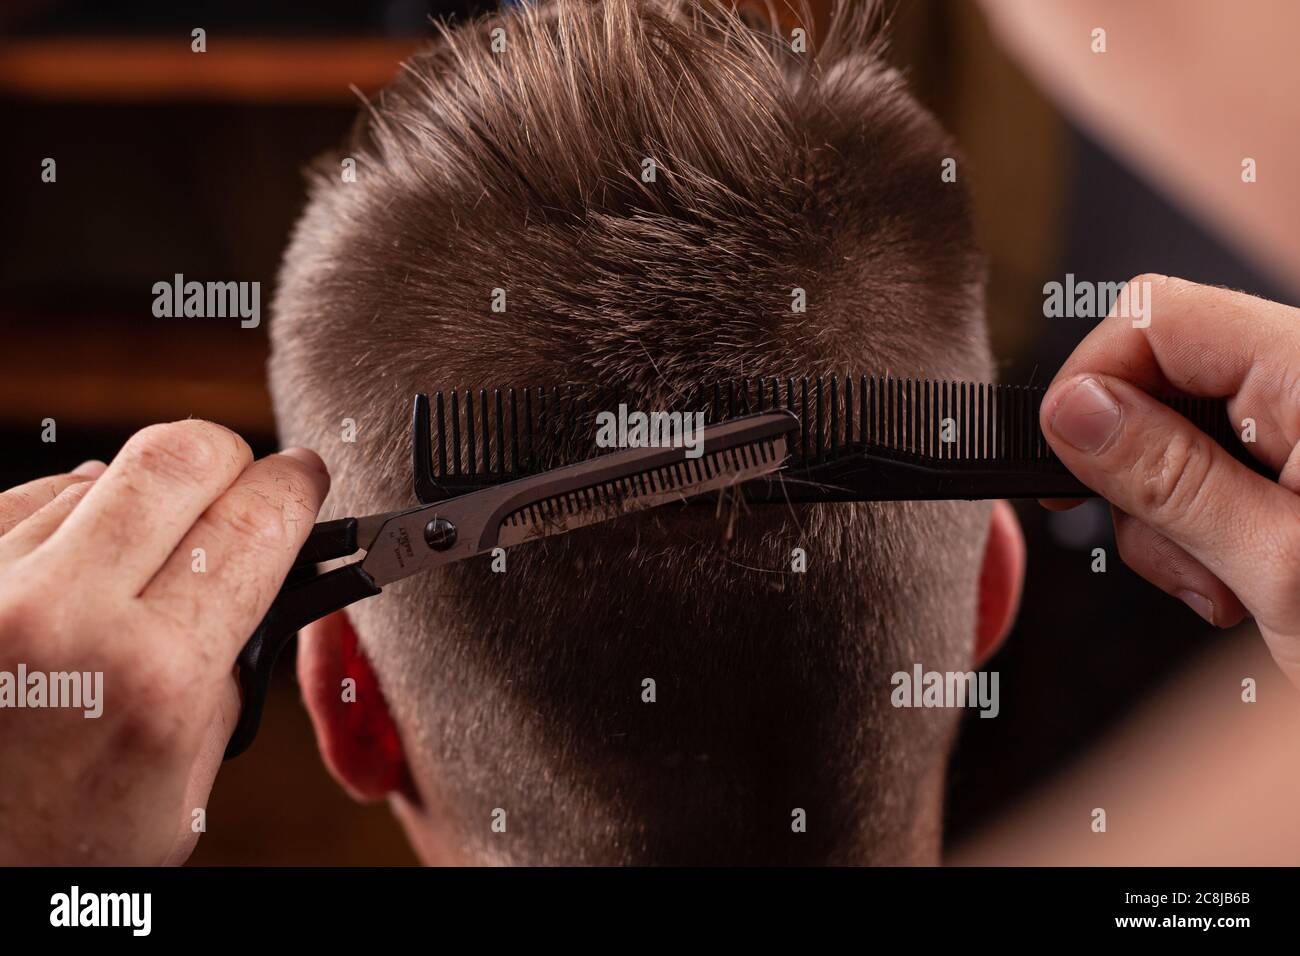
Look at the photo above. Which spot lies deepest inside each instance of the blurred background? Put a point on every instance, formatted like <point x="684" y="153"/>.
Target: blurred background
<point x="172" y="162"/>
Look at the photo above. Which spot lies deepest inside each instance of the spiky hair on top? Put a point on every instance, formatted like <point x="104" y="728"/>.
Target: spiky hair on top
<point x="575" y="102"/>
<point x="521" y="170"/>
<point x="773" y="169"/>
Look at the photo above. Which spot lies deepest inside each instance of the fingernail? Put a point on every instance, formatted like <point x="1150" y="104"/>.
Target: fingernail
<point x="1087" y="417"/>
<point x="1198" y="603"/>
<point x="307" y="457"/>
<point x="89" y="469"/>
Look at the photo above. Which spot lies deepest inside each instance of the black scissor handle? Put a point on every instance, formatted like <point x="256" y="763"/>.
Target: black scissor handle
<point x="305" y="597"/>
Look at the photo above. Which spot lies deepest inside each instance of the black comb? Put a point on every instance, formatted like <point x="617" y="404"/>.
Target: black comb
<point x="861" y="438"/>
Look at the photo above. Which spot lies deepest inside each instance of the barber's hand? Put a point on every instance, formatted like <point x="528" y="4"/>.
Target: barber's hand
<point x="1189" y="518"/>
<point x="99" y="573"/>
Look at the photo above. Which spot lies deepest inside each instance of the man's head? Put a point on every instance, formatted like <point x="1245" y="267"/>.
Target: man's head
<point x="648" y="183"/>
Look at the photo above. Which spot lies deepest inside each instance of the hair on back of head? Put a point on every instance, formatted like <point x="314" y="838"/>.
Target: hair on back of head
<point x="523" y="168"/>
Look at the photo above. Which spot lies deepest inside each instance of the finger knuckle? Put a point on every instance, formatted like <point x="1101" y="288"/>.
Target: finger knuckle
<point x="73" y="493"/>
<point x="1173" y="470"/>
<point x="186" y="450"/>
<point x="256" y="519"/>
<point x="16" y="505"/>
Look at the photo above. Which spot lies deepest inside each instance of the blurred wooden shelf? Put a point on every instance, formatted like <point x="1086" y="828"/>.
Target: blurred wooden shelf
<point x="246" y="70"/>
<point x="115" y="373"/>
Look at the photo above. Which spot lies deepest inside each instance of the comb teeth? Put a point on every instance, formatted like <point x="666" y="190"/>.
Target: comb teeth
<point x="501" y="431"/>
<point x="486" y="436"/>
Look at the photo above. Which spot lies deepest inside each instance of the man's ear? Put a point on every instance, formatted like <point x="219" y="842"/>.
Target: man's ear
<point x="355" y="732"/>
<point x="1001" y="577"/>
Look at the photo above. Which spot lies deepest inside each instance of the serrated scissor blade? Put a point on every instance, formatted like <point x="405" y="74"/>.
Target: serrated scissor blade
<point x="588" y="492"/>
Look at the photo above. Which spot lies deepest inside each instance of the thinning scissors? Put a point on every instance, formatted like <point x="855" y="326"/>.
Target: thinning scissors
<point x="398" y="544"/>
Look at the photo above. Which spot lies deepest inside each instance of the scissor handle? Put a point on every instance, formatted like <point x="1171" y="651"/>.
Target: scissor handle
<point x="328" y="539"/>
<point x="301" y="600"/>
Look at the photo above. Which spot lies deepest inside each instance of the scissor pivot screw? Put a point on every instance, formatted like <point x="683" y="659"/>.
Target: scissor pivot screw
<point x="440" y="534"/>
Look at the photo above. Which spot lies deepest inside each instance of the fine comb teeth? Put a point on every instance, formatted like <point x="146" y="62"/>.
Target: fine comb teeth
<point x="860" y="438"/>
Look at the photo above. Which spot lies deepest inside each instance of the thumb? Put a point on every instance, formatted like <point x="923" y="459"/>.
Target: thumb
<point x="1152" y="463"/>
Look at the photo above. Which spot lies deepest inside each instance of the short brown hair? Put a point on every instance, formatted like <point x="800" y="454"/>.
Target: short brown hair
<point x="522" y="170"/>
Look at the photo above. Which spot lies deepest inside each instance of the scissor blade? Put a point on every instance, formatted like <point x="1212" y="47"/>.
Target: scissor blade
<point x="609" y="499"/>
<point x="565" y="498"/>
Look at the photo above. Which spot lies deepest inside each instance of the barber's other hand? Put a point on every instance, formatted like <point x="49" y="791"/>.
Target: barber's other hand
<point x="99" y="572"/>
<point x="1188" y="517"/>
